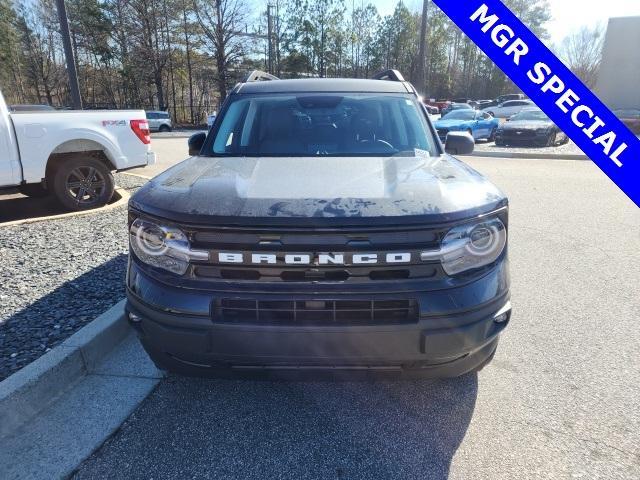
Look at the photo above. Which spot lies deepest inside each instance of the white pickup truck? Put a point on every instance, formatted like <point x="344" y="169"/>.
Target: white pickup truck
<point x="70" y="154"/>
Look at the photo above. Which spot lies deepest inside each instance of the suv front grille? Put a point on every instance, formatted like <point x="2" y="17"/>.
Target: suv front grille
<point x="345" y="241"/>
<point x="317" y="312"/>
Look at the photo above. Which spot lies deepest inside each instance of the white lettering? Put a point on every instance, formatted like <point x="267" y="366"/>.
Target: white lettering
<point x="554" y="84"/>
<point x="568" y="98"/>
<point x="327" y="258"/>
<point x="541" y="71"/>
<point x="398" y="257"/>
<point x="591" y="130"/>
<point x="481" y="14"/>
<point x="293" y="259"/>
<point x="224" y="257"/>
<point x="519" y="49"/>
<point x="578" y="111"/>
<point x="365" y="258"/>
<point x="501" y="40"/>
<point x="262" y="258"/>
<point x="607" y="140"/>
<point x="616" y="154"/>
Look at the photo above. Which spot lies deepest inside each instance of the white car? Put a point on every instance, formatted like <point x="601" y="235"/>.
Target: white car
<point x="508" y="109"/>
<point x="70" y="154"/>
<point x="211" y="118"/>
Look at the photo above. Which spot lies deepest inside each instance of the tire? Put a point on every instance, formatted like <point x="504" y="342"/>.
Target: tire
<point x="470" y="132"/>
<point x="164" y="128"/>
<point x="500" y="143"/>
<point x="551" y="141"/>
<point x="34" y="190"/>
<point x="492" y="114"/>
<point x="492" y="135"/>
<point x="82" y="183"/>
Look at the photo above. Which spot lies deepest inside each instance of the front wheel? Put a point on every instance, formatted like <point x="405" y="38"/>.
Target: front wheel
<point x="82" y="183"/>
<point x="164" y="128"/>
<point x="551" y="141"/>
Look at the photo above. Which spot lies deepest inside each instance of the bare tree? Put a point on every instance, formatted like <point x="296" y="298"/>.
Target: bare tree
<point x="582" y="53"/>
<point x="223" y="22"/>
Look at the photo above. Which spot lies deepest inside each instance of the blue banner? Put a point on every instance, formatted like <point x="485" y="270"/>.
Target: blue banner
<point x="552" y="86"/>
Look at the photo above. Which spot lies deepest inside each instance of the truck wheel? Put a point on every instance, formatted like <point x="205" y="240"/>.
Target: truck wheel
<point x="82" y="183"/>
<point x="164" y="128"/>
<point x="34" y="190"/>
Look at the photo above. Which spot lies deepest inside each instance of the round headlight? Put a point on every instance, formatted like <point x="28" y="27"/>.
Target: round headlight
<point x="470" y="246"/>
<point x="163" y="247"/>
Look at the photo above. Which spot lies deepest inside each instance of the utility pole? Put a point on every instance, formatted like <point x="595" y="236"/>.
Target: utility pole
<point x="68" y="53"/>
<point x="270" y="38"/>
<point x="422" y="51"/>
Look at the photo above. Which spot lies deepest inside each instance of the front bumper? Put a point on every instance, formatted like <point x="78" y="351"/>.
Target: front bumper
<point x="445" y="341"/>
<point x="525" y="140"/>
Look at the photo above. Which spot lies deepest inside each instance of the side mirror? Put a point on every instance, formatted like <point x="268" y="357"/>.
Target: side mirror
<point x="459" y="143"/>
<point x="195" y="142"/>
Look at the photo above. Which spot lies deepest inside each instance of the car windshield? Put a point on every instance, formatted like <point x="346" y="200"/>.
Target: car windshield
<point x="531" y="115"/>
<point x="322" y="125"/>
<point x="460" y="115"/>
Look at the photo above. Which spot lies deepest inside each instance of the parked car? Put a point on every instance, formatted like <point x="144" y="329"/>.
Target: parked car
<point x="431" y="109"/>
<point x="211" y="118"/>
<point x="510" y="96"/>
<point x="440" y="104"/>
<point x="456" y="106"/>
<point x="631" y="118"/>
<point x="508" y="109"/>
<point x="320" y="225"/>
<point x="532" y="128"/>
<point x="70" y="154"/>
<point x="159" y="121"/>
<point x="30" y="108"/>
<point x="472" y="103"/>
<point x="479" y="125"/>
<point x="486" y="103"/>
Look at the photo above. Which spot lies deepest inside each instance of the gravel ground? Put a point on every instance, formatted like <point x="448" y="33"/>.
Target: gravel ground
<point x="57" y="276"/>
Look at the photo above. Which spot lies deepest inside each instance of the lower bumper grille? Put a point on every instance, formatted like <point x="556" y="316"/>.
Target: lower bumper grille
<point x="317" y="312"/>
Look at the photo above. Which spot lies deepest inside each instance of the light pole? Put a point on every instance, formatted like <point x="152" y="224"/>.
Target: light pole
<point x="68" y="54"/>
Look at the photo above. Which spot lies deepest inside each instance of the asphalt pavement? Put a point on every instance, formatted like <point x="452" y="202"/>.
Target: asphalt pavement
<point x="560" y="400"/>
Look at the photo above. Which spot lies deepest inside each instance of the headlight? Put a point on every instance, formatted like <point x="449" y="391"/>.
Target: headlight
<point x="470" y="246"/>
<point x="163" y="247"/>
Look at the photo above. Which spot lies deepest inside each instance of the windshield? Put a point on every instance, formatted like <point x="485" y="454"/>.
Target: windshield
<point x="322" y="125"/>
<point x="460" y="115"/>
<point x="531" y="115"/>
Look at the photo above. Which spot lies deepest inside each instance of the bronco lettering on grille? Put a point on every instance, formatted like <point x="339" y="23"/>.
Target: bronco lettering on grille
<point x="261" y="258"/>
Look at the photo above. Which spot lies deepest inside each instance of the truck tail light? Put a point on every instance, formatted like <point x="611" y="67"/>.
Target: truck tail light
<point x="141" y="129"/>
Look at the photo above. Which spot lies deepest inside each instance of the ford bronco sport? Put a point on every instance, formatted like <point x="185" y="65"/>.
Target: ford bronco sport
<point x="320" y="225"/>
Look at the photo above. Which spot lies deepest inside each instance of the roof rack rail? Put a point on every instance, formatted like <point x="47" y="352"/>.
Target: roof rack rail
<point x="259" y="76"/>
<point x="393" y="75"/>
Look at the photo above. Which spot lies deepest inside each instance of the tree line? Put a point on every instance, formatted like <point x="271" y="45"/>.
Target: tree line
<point x="185" y="55"/>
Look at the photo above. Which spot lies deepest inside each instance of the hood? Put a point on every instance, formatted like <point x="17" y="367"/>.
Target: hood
<point x="318" y="191"/>
<point x="451" y="123"/>
<point x="527" y="124"/>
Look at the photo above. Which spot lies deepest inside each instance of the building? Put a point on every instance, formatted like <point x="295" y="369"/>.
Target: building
<point x="619" y="79"/>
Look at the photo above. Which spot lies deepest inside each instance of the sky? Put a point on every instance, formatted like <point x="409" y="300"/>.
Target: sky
<point x="568" y="15"/>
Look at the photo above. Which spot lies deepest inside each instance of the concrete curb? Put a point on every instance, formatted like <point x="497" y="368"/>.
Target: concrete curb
<point x="121" y="192"/>
<point x="32" y="389"/>
<point x="530" y="156"/>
